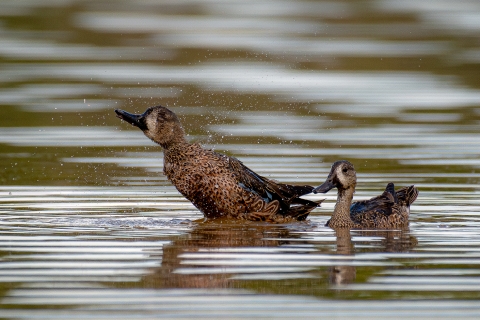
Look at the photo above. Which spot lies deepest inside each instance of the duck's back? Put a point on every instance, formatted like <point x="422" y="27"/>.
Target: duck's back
<point x="390" y="209"/>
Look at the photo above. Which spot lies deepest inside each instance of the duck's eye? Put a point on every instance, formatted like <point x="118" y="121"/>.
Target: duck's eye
<point x="345" y="169"/>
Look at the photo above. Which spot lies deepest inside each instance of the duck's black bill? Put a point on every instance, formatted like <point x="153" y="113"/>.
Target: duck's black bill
<point x="324" y="188"/>
<point x="136" y="120"/>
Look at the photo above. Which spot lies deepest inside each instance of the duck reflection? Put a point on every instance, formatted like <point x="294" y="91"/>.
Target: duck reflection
<point x="203" y="258"/>
<point x="290" y="259"/>
<point x="390" y="241"/>
<point x="343" y="274"/>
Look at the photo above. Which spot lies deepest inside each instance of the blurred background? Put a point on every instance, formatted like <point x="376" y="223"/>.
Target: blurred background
<point x="315" y="78"/>
<point x="286" y="86"/>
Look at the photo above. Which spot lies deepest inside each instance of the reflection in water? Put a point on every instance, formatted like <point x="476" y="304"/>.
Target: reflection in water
<point x="195" y="260"/>
<point x="231" y="254"/>
<point x="343" y="273"/>
<point x="391" y="241"/>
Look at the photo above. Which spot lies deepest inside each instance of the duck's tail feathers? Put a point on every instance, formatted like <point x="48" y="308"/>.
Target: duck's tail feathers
<point x="390" y="192"/>
<point x="407" y="195"/>
<point x="301" y="208"/>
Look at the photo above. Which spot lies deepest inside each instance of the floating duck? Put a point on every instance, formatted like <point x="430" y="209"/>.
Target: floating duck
<point x="390" y="210"/>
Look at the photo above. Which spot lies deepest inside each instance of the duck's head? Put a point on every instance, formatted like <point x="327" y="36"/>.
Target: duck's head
<point x="342" y="176"/>
<point x="158" y="123"/>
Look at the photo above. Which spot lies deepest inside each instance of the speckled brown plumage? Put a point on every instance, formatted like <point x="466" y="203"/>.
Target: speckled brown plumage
<point x="219" y="185"/>
<point x="390" y="210"/>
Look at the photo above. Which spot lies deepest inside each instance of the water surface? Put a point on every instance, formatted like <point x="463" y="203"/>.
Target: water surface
<point x="91" y="229"/>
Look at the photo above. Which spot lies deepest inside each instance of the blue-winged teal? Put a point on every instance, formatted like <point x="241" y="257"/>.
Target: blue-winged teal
<point x="388" y="211"/>
<point x="218" y="185"/>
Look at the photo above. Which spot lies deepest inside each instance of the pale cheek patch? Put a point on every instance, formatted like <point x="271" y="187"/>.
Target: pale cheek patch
<point x="342" y="180"/>
<point x="341" y="176"/>
<point x="151" y="124"/>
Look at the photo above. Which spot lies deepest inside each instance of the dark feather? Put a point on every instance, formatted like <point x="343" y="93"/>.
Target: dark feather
<point x="381" y="204"/>
<point x="407" y="195"/>
<point x="268" y="189"/>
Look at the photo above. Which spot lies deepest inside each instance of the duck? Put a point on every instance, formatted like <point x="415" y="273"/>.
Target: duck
<point x="218" y="185"/>
<point x="390" y="210"/>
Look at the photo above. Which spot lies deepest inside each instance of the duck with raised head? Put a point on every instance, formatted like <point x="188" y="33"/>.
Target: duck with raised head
<point x="390" y="210"/>
<point x="218" y="185"/>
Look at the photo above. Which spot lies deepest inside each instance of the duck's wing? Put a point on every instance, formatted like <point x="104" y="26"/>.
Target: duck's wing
<point x="407" y="195"/>
<point x="266" y="188"/>
<point x="376" y="218"/>
<point x="382" y="204"/>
